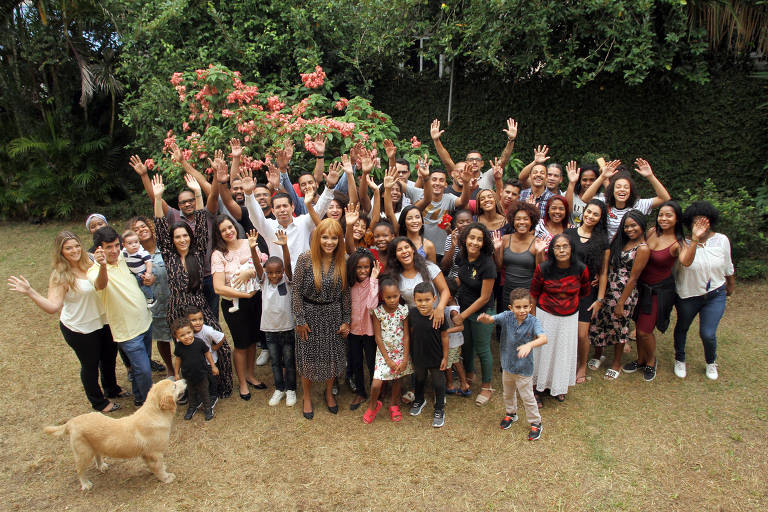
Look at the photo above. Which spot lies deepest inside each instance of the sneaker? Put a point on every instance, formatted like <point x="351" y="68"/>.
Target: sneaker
<point x="649" y="372"/>
<point x="276" y="397"/>
<point x="156" y="367"/>
<point x="711" y="371"/>
<point x="214" y="400"/>
<point x="184" y="398"/>
<point x="631" y="367"/>
<point x="234" y="309"/>
<point x="439" y="419"/>
<point x="416" y="408"/>
<point x="680" y="369"/>
<point x="352" y="385"/>
<point x="408" y="397"/>
<point x="151" y="304"/>
<point x="209" y="414"/>
<point x="290" y="398"/>
<point x="508" y="420"/>
<point x="190" y="412"/>
<point x="535" y="432"/>
<point x="263" y="358"/>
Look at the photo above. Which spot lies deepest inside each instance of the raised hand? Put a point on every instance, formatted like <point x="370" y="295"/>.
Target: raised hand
<point x="176" y="153"/>
<point x="610" y="169"/>
<point x="334" y="173"/>
<point x="423" y="167"/>
<point x="355" y="153"/>
<point x="281" y="237"/>
<point x="699" y="228"/>
<point x="99" y="256"/>
<point x="371" y="182"/>
<point x="496" y="238"/>
<point x="572" y="168"/>
<point x="390" y="149"/>
<point x="138" y="165"/>
<point x="498" y="170"/>
<point x="376" y="270"/>
<point x="346" y="163"/>
<point x="192" y="183"/>
<point x="19" y="284"/>
<point x="319" y="144"/>
<point x="511" y="130"/>
<point x="282" y="159"/>
<point x="366" y="161"/>
<point x="253" y="238"/>
<point x="643" y="168"/>
<point x="434" y="130"/>
<point x="157" y="185"/>
<point x="288" y="148"/>
<point x="237" y="149"/>
<point x="390" y="177"/>
<point x="352" y="214"/>
<point x="540" y="245"/>
<point x="467" y="175"/>
<point x="246" y="179"/>
<point x="540" y="154"/>
<point x="273" y="175"/>
<point x="309" y="197"/>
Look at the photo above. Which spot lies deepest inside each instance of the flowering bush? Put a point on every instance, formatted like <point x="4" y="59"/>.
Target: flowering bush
<point x="219" y="106"/>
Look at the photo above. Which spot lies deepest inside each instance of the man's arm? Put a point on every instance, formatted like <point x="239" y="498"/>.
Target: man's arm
<point x="141" y="170"/>
<point x="511" y="133"/>
<point x="539" y="157"/>
<point x="435" y="132"/>
<point x="102" y="278"/>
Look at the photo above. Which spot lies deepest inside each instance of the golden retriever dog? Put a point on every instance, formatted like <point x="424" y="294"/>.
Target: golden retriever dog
<point x="143" y="434"/>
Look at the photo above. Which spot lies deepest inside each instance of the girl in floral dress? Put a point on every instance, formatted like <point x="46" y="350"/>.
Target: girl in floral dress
<point x="617" y="299"/>
<point x="390" y="326"/>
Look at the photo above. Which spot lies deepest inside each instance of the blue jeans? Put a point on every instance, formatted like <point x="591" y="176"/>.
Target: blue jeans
<point x="281" y="353"/>
<point x="210" y="296"/>
<point x="138" y="350"/>
<point x="710" y="307"/>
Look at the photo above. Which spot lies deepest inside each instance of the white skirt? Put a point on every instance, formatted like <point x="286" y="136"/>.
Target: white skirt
<point x="554" y="364"/>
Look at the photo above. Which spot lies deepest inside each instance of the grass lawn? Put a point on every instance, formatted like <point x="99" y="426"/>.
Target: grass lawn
<point x="626" y="445"/>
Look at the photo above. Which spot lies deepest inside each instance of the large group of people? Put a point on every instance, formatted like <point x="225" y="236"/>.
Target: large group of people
<point x="389" y="285"/>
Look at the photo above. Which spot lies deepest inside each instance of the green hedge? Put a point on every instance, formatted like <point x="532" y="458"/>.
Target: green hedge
<point x="687" y="133"/>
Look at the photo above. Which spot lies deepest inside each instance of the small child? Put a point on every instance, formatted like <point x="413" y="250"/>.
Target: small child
<point x="191" y="355"/>
<point x="139" y="263"/>
<point x="251" y="285"/>
<point x="277" y="320"/>
<point x="429" y="352"/>
<point x="214" y="340"/>
<point x="455" y="341"/>
<point x="390" y="327"/>
<point x="520" y="333"/>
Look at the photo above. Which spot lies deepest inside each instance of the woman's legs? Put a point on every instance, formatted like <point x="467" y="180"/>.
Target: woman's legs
<point x="330" y="398"/>
<point x="306" y="389"/>
<point x="241" y="354"/>
<point x="87" y="350"/>
<point x="687" y="309"/>
<point x="582" y="352"/>
<point x="646" y="348"/>
<point x="394" y="396"/>
<point x="468" y="352"/>
<point x="618" y="351"/>
<point x="709" y="319"/>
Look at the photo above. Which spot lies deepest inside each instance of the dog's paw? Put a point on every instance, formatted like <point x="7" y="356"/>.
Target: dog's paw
<point x="169" y="477"/>
<point x="85" y="485"/>
<point x="103" y="467"/>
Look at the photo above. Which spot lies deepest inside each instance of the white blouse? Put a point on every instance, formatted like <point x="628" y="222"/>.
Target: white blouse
<point x="82" y="311"/>
<point x="709" y="269"/>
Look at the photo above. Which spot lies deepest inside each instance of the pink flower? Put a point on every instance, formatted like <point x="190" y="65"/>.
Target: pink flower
<point x="185" y="126"/>
<point x="315" y="79"/>
<point x="176" y="78"/>
<point x="149" y="163"/>
<point x="227" y="113"/>
<point x="209" y="170"/>
<point x="301" y="107"/>
<point x="186" y="154"/>
<point x="341" y="104"/>
<point x="308" y="145"/>
<point x="201" y="73"/>
<point x="415" y="143"/>
<point x="203" y="155"/>
<point x="274" y="104"/>
<point x="169" y="141"/>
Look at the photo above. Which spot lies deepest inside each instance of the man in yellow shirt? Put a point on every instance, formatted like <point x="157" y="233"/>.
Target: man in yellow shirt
<point x="125" y="307"/>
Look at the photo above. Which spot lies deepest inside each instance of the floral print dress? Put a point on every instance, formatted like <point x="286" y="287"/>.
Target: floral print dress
<point x="608" y="329"/>
<point x="392" y="336"/>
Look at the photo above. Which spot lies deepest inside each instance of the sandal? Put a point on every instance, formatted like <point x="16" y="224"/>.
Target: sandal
<point x="611" y="374"/>
<point x="484" y="399"/>
<point x="560" y="398"/>
<point x="370" y="415"/>
<point x="594" y="364"/>
<point x="452" y="391"/>
<point x="539" y="401"/>
<point x="395" y="414"/>
<point x="115" y="406"/>
<point x="464" y="392"/>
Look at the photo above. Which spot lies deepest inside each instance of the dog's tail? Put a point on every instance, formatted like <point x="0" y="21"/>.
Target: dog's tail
<point x="57" y="430"/>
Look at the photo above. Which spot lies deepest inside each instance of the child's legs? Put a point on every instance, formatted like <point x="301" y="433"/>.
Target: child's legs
<point x="369" y="347"/>
<point x="375" y="391"/>
<point x="213" y="384"/>
<point x="420" y="376"/>
<point x="274" y="345"/>
<point x="198" y="391"/>
<point x="508" y="383"/>
<point x="459" y="367"/>
<point x="394" y="395"/>
<point x="438" y="386"/>
<point x="289" y="359"/>
<point x="235" y="303"/>
<point x="481" y="336"/>
<point x="525" y="389"/>
<point x="355" y="351"/>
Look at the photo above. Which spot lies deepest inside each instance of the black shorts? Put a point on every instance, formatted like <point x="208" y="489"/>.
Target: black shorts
<point x="245" y="324"/>
<point x="584" y="303"/>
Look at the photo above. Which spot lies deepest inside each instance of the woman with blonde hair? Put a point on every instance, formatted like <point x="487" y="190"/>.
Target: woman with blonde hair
<point x="321" y="305"/>
<point x="81" y="319"/>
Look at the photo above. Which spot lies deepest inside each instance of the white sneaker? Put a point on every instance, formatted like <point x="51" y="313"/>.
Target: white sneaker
<point x="290" y="398"/>
<point x="276" y="397"/>
<point x="263" y="358"/>
<point x="712" y="371"/>
<point x="680" y="369"/>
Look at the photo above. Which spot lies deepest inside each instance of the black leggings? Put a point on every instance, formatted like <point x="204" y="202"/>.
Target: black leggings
<point x="96" y="351"/>
<point x="438" y="385"/>
<point x="357" y="346"/>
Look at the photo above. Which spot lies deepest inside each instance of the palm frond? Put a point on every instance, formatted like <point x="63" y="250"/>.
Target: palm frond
<point x="23" y="145"/>
<point x="739" y="25"/>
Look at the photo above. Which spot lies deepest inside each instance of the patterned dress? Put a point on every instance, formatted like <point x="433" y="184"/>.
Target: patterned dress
<point x="608" y="329"/>
<point x="323" y="355"/>
<point x="180" y="296"/>
<point x="392" y="336"/>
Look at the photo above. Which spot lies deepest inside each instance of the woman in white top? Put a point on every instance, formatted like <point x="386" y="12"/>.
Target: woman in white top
<point x="82" y="320"/>
<point x="408" y="268"/>
<point x="702" y="285"/>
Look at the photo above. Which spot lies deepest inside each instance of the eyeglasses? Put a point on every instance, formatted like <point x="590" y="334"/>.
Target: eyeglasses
<point x="474" y="159"/>
<point x="561" y="247"/>
<point x="186" y="201"/>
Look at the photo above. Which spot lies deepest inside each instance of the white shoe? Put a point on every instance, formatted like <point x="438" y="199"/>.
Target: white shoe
<point x="712" y="371"/>
<point x="680" y="369"/>
<point x="276" y="397"/>
<point x="233" y="309"/>
<point x="290" y="398"/>
<point x="263" y="358"/>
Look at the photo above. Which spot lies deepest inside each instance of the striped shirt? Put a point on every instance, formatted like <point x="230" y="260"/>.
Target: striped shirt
<point x="137" y="261"/>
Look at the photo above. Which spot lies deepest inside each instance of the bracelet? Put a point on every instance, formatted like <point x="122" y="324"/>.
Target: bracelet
<point x="319" y="157"/>
<point x="601" y="300"/>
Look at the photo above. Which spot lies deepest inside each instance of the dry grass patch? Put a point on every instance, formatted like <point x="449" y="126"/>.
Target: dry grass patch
<point x="623" y="445"/>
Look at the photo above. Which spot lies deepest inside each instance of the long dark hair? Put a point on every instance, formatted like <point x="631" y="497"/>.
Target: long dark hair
<point x="487" y="247"/>
<point x="589" y="167"/>
<point x="601" y="228"/>
<point x="611" y="198"/>
<point x="402" y="228"/>
<point x="678" y="220"/>
<point x="621" y="239"/>
<point x="190" y="260"/>
<point x="218" y="241"/>
<point x="395" y="268"/>
<point x="354" y="259"/>
<point x="549" y="266"/>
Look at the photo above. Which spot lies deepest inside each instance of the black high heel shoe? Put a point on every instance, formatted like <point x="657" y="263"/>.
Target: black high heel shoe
<point x="332" y="409"/>
<point x="308" y="415"/>
<point x="260" y="385"/>
<point x="246" y="396"/>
